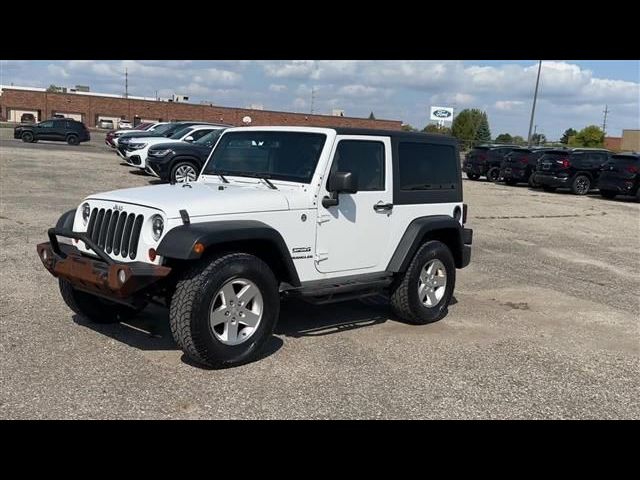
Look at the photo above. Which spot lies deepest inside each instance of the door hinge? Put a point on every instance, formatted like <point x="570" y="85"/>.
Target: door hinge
<point x="323" y="218"/>
<point x="320" y="256"/>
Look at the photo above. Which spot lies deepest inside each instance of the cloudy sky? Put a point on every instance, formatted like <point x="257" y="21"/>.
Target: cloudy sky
<point x="572" y="93"/>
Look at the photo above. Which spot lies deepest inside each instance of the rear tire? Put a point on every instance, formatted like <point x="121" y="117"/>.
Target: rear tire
<point x="580" y="185"/>
<point x="95" y="308"/>
<point x="493" y="174"/>
<point x="73" y="140"/>
<point x="473" y="176"/>
<point x="608" y="193"/>
<point x="27" y="137"/>
<point x="532" y="183"/>
<point x="406" y="294"/>
<point x="203" y="294"/>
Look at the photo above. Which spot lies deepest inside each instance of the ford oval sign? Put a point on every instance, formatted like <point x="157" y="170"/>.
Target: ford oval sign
<point x="441" y="113"/>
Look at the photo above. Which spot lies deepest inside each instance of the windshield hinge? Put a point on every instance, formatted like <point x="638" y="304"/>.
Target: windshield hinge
<point x="323" y="218"/>
<point x="320" y="256"/>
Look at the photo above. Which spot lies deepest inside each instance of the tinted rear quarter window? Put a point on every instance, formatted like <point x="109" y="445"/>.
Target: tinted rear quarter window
<point x="425" y="166"/>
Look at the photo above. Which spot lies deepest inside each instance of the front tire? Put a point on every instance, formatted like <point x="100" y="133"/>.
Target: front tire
<point x="27" y="137"/>
<point x="581" y="185"/>
<point x="473" y="176"/>
<point x="73" y="140"/>
<point x="224" y="310"/>
<point x="184" y="172"/>
<point x="422" y="294"/>
<point x="93" y="307"/>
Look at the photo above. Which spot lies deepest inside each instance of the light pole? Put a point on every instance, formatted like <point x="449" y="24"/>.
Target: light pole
<point x="533" y="108"/>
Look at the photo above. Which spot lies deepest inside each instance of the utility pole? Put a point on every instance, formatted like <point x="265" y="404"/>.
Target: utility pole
<point x="533" y="108"/>
<point x="126" y="83"/>
<point x="604" y="122"/>
<point x="313" y="97"/>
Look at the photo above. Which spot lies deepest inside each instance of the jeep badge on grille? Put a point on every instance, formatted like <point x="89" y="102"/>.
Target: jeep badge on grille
<point x="118" y="207"/>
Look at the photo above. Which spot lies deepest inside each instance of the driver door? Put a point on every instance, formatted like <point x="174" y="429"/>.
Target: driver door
<point x="354" y="234"/>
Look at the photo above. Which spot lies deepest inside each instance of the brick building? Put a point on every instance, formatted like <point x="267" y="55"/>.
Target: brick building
<point x="89" y="108"/>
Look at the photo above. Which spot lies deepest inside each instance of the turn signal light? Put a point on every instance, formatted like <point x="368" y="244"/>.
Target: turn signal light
<point x="152" y="254"/>
<point x="198" y="248"/>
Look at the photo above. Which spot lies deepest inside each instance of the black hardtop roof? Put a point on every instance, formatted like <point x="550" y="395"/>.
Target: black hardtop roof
<point x="635" y="155"/>
<point x="569" y="151"/>
<point x="394" y="133"/>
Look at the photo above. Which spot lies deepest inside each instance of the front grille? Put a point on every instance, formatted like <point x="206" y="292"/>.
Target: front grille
<point x="116" y="232"/>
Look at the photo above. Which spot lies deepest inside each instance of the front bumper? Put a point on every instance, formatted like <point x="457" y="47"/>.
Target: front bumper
<point x="98" y="276"/>
<point x="619" y="186"/>
<point x="158" y="168"/>
<point x="550" y="180"/>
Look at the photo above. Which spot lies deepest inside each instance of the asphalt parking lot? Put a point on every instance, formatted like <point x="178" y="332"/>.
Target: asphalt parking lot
<point x="545" y="322"/>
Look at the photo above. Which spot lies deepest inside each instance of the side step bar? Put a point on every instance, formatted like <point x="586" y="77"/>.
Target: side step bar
<point x="327" y="291"/>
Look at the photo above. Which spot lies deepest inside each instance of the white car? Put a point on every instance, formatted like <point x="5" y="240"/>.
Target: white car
<point x="320" y="214"/>
<point x="124" y="124"/>
<point x="118" y="133"/>
<point x="136" y="149"/>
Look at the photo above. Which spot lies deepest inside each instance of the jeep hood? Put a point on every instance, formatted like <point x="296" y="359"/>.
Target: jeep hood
<point x="199" y="198"/>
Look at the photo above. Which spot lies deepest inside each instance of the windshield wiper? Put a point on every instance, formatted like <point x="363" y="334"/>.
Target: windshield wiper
<point x="262" y="176"/>
<point x="223" y="179"/>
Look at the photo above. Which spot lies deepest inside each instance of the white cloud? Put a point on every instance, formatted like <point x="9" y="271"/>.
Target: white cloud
<point x="277" y="88"/>
<point x="508" y="104"/>
<point x="57" y="71"/>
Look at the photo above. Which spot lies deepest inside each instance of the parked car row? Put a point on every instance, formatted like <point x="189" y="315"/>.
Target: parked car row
<point x="173" y="152"/>
<point x="108" y="124"/>
<point x="580" y="170"/>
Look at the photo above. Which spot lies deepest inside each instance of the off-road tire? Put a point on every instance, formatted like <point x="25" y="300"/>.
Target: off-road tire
<point x="73" y="140"/>
<point x="27" y="137"/>
<point x="191" y="302"/>
<point x="608" y="193"/>
<point x="493" y="175"/>
<point x="473" y="176"/>
<point x="94" y="308"/>
<point x="577" y="188"/>
<point x="404" y="293"/>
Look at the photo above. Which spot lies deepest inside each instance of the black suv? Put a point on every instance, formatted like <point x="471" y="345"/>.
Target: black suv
<point x="60" y="130"/>
<point x="485" y="160"/>
<point x="620" y="176"/>
<point x="179" y="162"/>
<point x="520" y="164"/>
<point x="577" y="169"/>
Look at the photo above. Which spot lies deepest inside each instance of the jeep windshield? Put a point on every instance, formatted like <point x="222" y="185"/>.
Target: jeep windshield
<point x="288" y="156"/>
<point x="210" y="138"/>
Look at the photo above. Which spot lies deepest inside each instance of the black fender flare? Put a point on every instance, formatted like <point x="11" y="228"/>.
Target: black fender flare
<point x="422" y="226"/>
<point x="66" y="220"/>
<point x="179" y="242"/>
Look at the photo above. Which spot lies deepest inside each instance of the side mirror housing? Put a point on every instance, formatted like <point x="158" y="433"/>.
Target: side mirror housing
<point x="340" y="182"/>
<point x="189" y="139"/>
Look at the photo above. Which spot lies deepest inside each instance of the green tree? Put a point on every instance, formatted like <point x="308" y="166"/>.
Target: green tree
<point x="518" y="140"/>
<point x="471" y="127"/>
<point x="435" y="128"/>
<point x="504" y="138"/>
<point x="590" y="137"/>
<point x="372" y="116"/>
<point x="407" y="128"/>
<point x="54" y="89"/>
<point x="568" y="133"/>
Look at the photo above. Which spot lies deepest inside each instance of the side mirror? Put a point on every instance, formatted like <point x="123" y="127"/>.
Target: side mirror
<point x="340" y="182"/>
<point x="189" y="139"/>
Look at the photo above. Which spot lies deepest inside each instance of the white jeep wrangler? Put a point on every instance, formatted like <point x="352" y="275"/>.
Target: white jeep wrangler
<point x="324" y="214"/>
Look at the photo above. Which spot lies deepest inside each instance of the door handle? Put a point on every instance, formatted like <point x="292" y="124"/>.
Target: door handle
<point x="383" y="207"/>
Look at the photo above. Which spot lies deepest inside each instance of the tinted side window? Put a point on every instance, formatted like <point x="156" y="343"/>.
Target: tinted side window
<point x="59" y="124"/>
<point x="365" y="159"/>
<point x="426" y="166"/>
<point x="199" y="134"/>
<point x="47" y="124"/>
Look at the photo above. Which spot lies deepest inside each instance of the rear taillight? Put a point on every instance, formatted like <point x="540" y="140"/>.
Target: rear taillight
<point x="482" y="157"/>
<point x="566" y="163"/>
<point x="524" y="159"/>
<point x="632" y="169"/>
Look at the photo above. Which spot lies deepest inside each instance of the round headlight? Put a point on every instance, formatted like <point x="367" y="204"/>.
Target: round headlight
<point x="86" y="212"/>
<point x="157" y="226"/>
